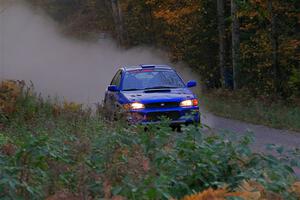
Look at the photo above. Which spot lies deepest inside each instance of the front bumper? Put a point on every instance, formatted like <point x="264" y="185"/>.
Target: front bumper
<point x="176" y="115"/>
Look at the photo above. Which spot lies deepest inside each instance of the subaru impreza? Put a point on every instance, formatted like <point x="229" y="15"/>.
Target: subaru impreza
<point x="146" y="94"/>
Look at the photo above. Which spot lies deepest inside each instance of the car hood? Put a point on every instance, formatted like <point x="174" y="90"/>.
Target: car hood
<point x="152" y="96"/>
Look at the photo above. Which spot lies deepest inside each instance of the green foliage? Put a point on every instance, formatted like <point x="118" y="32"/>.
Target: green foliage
<point x="82" y="154"/>
<point x="180" y="163"/>
<point x="266" y="110"/>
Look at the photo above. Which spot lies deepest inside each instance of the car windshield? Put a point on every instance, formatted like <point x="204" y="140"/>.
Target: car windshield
<point x="151" y="79"/>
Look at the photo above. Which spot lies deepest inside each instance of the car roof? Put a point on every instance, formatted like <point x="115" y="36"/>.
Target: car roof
<point x="131" y="68"/>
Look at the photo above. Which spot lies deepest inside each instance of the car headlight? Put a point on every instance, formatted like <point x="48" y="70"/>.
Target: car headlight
<point x="134" y="106"/>
<point x="189" y="103"/>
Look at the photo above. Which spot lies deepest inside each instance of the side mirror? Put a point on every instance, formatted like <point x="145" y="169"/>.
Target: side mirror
<point x="191" y="84"/>
<point x="113" y="88"/>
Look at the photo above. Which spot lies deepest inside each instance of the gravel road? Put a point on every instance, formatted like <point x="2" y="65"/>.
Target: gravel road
<point x="264" y="135"/>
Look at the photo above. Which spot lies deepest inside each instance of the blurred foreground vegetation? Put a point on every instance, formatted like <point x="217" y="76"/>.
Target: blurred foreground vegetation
<point x="51" y="150"/>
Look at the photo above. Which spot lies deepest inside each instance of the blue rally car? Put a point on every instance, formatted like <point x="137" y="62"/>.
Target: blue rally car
<point x="146" y="93"/>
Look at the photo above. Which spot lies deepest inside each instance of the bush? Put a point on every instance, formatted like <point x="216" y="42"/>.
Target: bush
<point x="9" y="93"/>
<point x="49" y="151"/>
<point x="159" y="164"/>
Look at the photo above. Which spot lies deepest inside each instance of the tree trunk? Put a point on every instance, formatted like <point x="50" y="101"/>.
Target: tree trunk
<point x="274" y="42"/>
<point x="235" y="43"/>
<point x="118" y="20"/>
<point x="152" y="28"/>
<point x="221" y="28"/>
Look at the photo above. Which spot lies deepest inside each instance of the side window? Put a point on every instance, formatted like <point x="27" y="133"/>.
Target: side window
<point x="117" y="79"/>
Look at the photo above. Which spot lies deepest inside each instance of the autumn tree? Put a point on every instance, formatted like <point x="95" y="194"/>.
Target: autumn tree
<point x="118" y="20"/>
<point x="256" y="42"/>
<point x="188" y="30"/>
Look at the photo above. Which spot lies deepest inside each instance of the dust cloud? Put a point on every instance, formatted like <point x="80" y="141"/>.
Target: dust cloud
<point x="32" y="49"/>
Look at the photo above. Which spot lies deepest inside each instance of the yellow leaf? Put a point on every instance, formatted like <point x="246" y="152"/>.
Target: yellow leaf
<point x="296" y="188"/>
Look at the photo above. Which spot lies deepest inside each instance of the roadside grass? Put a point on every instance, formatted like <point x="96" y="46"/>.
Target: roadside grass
<point x="241" y="106"/>
<point x="50" y="150"/>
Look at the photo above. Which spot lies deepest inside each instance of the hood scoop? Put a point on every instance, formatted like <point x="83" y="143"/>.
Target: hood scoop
<point x="157" y="90"/>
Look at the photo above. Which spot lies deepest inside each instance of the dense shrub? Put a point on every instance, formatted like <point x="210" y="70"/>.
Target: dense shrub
<point x="9" y="92"/>
<point x="57" y="151"/>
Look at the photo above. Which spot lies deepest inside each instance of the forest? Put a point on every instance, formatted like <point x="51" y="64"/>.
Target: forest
<point x="251" y="46"/>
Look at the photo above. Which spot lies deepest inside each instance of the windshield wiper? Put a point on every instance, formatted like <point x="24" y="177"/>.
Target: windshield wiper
<point x="160" y="87"/>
